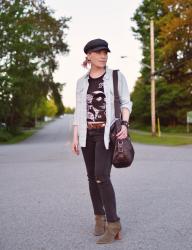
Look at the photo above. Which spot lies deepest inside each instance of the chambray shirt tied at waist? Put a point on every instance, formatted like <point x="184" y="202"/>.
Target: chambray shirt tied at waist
<point x="80" y="114"/>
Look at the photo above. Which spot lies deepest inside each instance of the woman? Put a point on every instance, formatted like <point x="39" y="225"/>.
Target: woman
<point x="94" y="114"/>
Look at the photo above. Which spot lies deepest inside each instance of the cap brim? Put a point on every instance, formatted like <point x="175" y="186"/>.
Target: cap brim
<point x="100" y="48"/>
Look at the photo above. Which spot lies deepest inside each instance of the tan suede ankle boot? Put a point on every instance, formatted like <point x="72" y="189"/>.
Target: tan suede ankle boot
<point x="100" y="221"/>
<point x="112" y="232"/>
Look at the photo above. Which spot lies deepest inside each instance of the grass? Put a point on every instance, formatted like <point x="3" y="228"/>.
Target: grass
<point x="170" y="139"/>
<point x="11" y="139"/>
<point x="165" y="129"/>
<point x="8" y="138"/>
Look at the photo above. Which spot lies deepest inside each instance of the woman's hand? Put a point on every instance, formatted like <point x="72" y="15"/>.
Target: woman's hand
<point x="122" y="134"/>
<point x="75" y="145"/>
<point x="75" y="142"/>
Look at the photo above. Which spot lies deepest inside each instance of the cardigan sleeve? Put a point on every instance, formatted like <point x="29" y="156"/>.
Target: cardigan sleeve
<point x="124" y="94"/>
<point x="76" y="112"/>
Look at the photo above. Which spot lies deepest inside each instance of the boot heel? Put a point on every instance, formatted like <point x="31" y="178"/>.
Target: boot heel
<point x="118" y="236"/>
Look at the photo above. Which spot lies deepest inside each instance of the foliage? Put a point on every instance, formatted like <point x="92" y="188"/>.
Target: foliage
<point x="69" y="110"/>
<point x="141" y="102"/>
<point x="46" y="108"/>
<point x="30" y="39"/>
<point x="175" y="40"/>
<point x="172" y="101"/>
<point x="144" y="13"/>
<point x="173" y="60"/>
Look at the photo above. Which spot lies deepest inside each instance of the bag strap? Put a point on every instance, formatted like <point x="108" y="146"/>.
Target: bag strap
<point x="116" y="94"/>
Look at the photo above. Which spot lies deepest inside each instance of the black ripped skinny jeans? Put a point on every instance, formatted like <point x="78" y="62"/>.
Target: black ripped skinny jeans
<point x="98" y="165"/>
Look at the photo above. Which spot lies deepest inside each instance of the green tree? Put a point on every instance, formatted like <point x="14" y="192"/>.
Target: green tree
<point x="142" y="16"/>
<point x="175" y="36"/>
<point x="141" y="102"/>
<point x="47" y="107"/>
<point x="172" y="102"/>
<point x="30" y="39"/>
<point x="69" y="110"/>
<point x="172" y="60"/>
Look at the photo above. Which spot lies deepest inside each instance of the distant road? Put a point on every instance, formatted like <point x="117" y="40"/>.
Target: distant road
<point x="45" y="204"/>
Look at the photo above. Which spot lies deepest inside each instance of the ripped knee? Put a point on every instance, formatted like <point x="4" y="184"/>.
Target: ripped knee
<point x="101" y="179"/>
<point x="98" y="180"/>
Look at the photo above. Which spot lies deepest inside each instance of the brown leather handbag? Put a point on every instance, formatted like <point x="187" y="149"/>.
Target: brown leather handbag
<point x="123" y="154"/>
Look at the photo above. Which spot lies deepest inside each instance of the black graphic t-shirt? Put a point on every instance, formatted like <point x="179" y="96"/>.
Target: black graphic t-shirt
<point x="96" y="102"/>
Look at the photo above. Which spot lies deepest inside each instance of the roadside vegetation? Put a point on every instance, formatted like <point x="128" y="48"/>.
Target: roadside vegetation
<point x="173" y="70"/>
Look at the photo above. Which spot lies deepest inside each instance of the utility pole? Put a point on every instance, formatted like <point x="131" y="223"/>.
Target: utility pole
<point x="153" y="118"/>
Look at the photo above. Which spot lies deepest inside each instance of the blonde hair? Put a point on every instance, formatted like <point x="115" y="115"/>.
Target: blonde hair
<point x="85" y="62"/>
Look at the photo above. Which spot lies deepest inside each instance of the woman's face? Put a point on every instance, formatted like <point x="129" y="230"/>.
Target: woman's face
<point x="98" y="58"/>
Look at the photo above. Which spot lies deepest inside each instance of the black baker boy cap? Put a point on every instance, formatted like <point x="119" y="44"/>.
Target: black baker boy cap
<point x="95" y="45"/>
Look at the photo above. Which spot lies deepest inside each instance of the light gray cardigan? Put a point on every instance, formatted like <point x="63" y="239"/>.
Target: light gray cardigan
<point x="80" y="114"/>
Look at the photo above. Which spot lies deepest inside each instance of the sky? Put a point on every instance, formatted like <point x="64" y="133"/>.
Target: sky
<point x="109" y="20"/>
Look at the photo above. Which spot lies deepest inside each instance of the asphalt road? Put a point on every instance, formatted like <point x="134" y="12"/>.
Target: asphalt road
<point x="45" y="204"/>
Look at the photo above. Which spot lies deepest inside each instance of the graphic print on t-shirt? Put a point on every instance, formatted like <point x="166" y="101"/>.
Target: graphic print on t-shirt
<point x="96" y="102"/>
